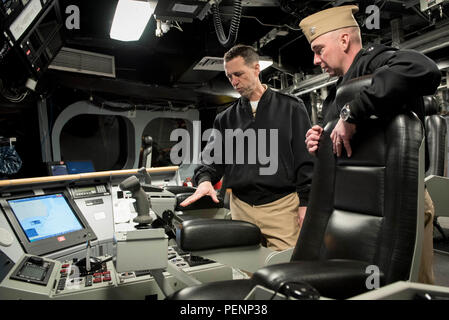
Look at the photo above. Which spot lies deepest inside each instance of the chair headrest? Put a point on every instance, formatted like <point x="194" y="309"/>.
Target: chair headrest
<point x="430" y="105"/>
<point x="347" y="91"/>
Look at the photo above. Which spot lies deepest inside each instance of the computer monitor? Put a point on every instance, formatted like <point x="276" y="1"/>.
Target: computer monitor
<point x="47" y="223"/>
<point x="75" y="167"/>
<point x="58" y="169"/>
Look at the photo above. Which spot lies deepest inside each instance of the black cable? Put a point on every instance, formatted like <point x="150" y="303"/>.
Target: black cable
<point x="234" y="28"/>
<point x="267" y="24"/>
<point x="283" y="283"/>
<point x="306" y="292"/>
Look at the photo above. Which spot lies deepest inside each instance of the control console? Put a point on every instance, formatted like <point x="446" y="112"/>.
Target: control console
<point x="34" y="277"/>
<point x="34" y="270"/>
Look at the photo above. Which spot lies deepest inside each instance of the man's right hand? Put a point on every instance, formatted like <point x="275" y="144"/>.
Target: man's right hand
<point x="205" y="188"/>
<point x="312" y="137"/>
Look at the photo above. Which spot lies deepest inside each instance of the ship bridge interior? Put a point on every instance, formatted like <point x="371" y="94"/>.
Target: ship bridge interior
<point x="90" y="189"/>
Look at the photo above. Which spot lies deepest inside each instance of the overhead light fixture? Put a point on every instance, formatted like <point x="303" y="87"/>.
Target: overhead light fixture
<point x="265" y="62"/>
<point x="130" y="19"/>
<point x="216" y="63"/>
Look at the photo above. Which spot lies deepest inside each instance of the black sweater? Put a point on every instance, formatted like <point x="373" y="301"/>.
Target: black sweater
<point x="287" y="115"/>
<point x="399" y="78"/>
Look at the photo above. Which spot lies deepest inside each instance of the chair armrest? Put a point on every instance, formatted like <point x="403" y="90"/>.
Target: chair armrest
<point x="336" y="279"/>
<point x="205" y="234"/>
<point x="217" y="290"/>
<point x="180" y="189"/>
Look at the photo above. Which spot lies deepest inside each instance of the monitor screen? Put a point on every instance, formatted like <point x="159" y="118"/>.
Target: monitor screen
<point x="75" y="167"/>
<point x="47" y="223"/>
<point x="45" y="216"/>
<point x="58" y="169"/>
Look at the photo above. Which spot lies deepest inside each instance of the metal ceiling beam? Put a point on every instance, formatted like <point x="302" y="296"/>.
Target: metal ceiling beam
<point x="426" y="43"/>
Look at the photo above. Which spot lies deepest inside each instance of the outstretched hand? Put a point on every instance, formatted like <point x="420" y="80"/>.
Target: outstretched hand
<point x="205" y="188"/>
<point x="342" y="134"/>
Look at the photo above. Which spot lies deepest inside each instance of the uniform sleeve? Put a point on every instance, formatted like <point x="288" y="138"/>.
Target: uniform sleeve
<point x="303" y="159"/>
<point x="397" y="78"/>
<point x="210" y="170"/>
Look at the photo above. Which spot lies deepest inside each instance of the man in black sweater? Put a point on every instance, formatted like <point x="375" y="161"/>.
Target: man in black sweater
<point x="399" y="79"/>
<point x="268" y="169"/>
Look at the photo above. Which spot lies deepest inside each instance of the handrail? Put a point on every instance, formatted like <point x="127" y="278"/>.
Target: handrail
<point x="81" y="176"/>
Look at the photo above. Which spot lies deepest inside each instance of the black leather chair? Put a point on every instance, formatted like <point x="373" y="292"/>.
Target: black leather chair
<point x="363" y="211"/>
<point x="436" y="132"/>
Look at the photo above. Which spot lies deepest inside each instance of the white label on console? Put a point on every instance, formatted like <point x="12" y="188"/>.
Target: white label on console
<point x="99" y="216"/>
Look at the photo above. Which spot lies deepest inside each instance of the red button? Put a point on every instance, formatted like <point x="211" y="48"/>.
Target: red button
<point x="66" y="265"/>
<point x="107" y="279"/>
<point x="63" y="271"/>
<point x="96" y="280"/>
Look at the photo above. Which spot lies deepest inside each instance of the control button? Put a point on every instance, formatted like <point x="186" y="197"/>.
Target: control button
<point x="88" y="281"/>
<point x="96" y="280"/>
<point x="65" y="265"/>
<point x="61" y="284"/>
<point x="63" y="271"/>
<point x="106" y="279"/>
<point x="126" y="275"/>
<point x="171" y="256"/>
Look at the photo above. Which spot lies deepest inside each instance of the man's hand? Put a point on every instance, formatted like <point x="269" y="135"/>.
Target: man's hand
<point x="301" y="215"/>
<point x="205" y="188"/>
<point x="341" y="134"/>
<point x="312" y="137"/>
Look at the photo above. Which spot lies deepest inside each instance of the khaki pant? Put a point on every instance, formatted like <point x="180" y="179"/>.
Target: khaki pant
<point x="277" y="220"/>
<point x="426" y="268"/>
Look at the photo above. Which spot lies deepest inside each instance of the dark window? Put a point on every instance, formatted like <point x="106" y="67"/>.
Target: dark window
<point x="160" y="130"/>
<point x="99" y="138"/>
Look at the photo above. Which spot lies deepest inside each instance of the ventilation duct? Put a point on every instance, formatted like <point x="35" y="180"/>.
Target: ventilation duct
<point x="80" y="61"/>
<point x="210" y="64"/>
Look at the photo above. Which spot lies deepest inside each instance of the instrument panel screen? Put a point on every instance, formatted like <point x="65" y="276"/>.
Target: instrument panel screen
<point x="45" y="216"/>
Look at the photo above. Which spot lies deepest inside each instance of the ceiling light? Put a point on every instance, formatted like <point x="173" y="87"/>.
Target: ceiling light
<point x="216" y="63"/>
<point x="130" y="19"/>
<point x="265" y="62"/>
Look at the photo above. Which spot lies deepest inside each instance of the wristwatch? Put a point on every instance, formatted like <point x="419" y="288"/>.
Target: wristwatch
<point x="345" y="112"/>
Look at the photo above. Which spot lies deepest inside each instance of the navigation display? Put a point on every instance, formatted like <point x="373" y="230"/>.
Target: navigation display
<point x="45" y="216"/>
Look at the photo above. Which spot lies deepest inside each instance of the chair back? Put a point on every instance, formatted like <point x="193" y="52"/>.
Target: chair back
<point x="436" y="132"/>
<point x="366" y="207"/>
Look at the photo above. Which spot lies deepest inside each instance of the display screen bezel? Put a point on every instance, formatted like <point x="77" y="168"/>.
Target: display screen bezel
<point x="51" y="244"/>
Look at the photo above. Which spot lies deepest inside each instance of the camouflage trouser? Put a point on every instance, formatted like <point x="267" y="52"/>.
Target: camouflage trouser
<point x="10" y="161"/>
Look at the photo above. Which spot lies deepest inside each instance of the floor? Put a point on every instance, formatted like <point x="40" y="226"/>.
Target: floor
<point x="441" y="268"/>
<point x="441" y="254"/>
